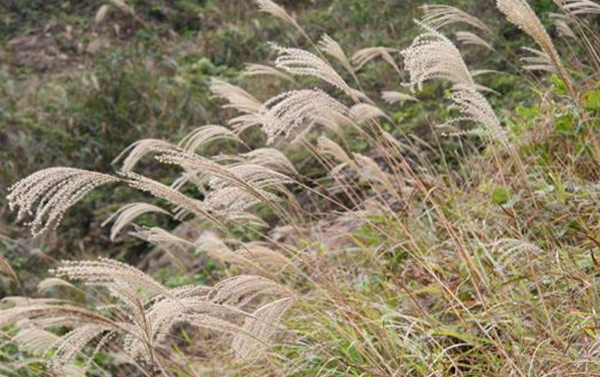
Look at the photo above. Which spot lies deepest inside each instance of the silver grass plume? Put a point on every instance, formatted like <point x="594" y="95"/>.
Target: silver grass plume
<point x="519" y="13"/>
<point x="51" y="283"/>
<point x="363" y="56"/>
<point x="136" y="151"/>
<point x="303" y="63"/>
<point x="264" y="256"/>
<point x="392" y="97"/>
<point x="251" y="257"/>
<point x="232" y="201"/>
<point x="237" y="97"/>
<point x="579" y="7"/>
<point x="270" y="158"/>
<point x="175" y="247"/>
<point x="468" y="38"/>
<point x="264" y="70"/>
<point x="52" y="191"/>
<point x="270" y="7"/>
<point x="242" y="289"/>
<point x="364" y="112"/>
<point x="146" y="311"/>
<point x="246" y="176"/>
<point x="332" y="48"/>
<point x="537" y="61"/>
<point x="437" y="16"/>
<point x="206" y="134"/>
<point x="474" y="107"/>
<point x="561" y="23"/>
<point x="328" y="147"/>
<point x="262" y="325"/>
<point x="72" y="344"/>
<point x="34" y="339"/>
<point x="433" y="56"/>
<point x="125" y="215"/>
<point x="286" y="112"/>
<point x="236" y="187"/>
<point x="117" y="277"/>
<point x="169" y="195"/>
<point x="370" y="171"/>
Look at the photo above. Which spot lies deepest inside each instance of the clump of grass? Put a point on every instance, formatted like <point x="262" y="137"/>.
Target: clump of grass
<point x="388" y="262"/>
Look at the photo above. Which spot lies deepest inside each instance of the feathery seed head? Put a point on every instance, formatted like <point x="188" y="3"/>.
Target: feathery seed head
<point x="288" y="111"/>
<point x="237" y="97"/>
<point x="437" y="16"/>
<point x="264" y="70"/>
<point x="474" y="107"/>
<point x="332" y="48"/>
<point x="138" y="150"/>
<point x="433" y="56"/>
<point x="538" y="61"/>
<point x="303" y="63"/>
<point x="270" y="7"/>
<point x="365" y="55"/>
<point x="468" y="38"/>
<point x="561" y="23"/>
<point x="125" y="215"/>
<point x="53" y="191"/>
<point x="392" y="97"/>
<point x="520" y="14"/>
<point x="364" y="112"/>
<point x="206" y="134"/>
<point x="579" y="7"/>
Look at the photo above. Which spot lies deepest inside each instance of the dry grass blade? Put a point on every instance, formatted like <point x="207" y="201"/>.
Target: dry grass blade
<point x="437" y="16"/>
<point x="54" y="191"/>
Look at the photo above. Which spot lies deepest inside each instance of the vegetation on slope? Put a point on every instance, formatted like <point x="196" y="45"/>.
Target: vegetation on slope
<point x="423" y="208"/>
